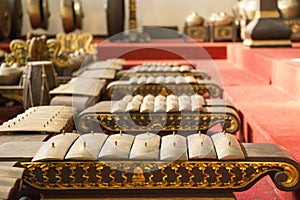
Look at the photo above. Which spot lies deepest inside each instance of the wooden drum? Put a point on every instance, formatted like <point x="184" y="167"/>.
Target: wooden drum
<point x="38" y="79"/>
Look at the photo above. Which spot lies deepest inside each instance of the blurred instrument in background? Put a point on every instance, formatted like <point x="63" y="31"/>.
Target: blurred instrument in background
<point x="39" y="13"/>
<point x="5" y="19"/>
<point x="72" y="14"/>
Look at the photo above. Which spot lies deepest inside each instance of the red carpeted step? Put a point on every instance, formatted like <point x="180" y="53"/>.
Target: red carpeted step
<point x="269" y="114"/>
<point x="277" y="66"/>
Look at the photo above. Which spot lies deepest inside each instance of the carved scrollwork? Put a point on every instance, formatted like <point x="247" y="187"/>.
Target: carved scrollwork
<point x="287" y="178"/>
<point x="206" y="175"/>
<point x="119" y="90"/>
<point x="53" y="48"/>
<point x="123" y="75"/>
<point x="72" y="42"/>
<point x="156" y="121"/>
<point x="19" y="49"/>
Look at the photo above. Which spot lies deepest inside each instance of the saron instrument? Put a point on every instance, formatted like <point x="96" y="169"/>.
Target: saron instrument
<point x="162" y="69"/>
<point x="42" y="119"/>
<point x="98" y="165"/>
<point x="171" y="113"/>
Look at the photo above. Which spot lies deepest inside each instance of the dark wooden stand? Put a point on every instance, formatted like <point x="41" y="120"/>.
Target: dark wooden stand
<point x="267" y="28"/>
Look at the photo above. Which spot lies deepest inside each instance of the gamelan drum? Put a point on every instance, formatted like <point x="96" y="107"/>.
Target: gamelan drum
<point x="38" y="79"/>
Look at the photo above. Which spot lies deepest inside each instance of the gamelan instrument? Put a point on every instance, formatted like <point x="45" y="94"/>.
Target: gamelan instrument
<point x="5" y="19"/>
<point x="17" y="18"/>
<point x="79" y="93"/>
<point x="100" y="165"/>
<point x="80" y="86"/>
<point x="160" y="113"/>
<point x="41" y="119"/>
<point x="132" y="15"/>
<point x="72" y="14"/>
<point x="39" y="78"/>
<point x="10" y="181"/>
<point x="115" y="15"/>
<point x="99" y="74"/>
<point x="162" y="69"/>
<point x="39" y="14"/>
<point x="133" y="35"/>
<point x="162" y="78"/>
<point x="10" y="75"/>
<point x="144" y="85"/>
<point x="110" y="64"/>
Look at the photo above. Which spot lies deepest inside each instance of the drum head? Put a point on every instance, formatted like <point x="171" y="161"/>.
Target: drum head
<point x="5" y="19"/>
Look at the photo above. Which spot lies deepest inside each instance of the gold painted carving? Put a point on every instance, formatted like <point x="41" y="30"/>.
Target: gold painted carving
<point x="236" y="175"/>
<point x="210" y="88"/>
<point x="160" y="122"/>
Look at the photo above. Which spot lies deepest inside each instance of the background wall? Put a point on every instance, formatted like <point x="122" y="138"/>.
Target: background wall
<point x="149" y="12"/>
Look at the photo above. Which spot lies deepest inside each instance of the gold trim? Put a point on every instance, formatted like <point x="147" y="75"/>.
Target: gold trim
<point x="262" y="43"/>
<point x="159" y="198"/>
<point x="290" y="181"/>
<point x="160" y="122"/>
<point x="127" y="75"/>
<point x="19" y="49"/>
<point x="237" y="175"/>
<point x="202" y="88"/>
<point x="267" y="14"/>
<point x="197" y="32"/>
<point x="223" y="32"/>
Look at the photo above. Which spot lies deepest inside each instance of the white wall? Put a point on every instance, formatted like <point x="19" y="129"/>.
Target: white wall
<point x="149" y="12"/>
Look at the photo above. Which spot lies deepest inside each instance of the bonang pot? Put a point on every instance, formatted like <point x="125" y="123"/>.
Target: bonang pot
<point x="194" y="19"/>
<point x="220" y="18"/>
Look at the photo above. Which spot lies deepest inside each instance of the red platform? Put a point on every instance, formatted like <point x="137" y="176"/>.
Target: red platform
<point x="161" y="49"/>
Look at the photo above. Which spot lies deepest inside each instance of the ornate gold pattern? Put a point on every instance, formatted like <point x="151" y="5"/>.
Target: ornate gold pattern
<point x="207" y="87"/>
<point x="197" y="32"/>
<point x="53" y="48"/>
<point x="155" y="121"/>
<point x="63" y="43"/>
<point x="19" y="49"/>
<point x="223" y="32"/>
<point x="234" y="175"/>
<point x="72" y="42"/>
<point x="199" y="74"/>
<point x="132" y="15"/>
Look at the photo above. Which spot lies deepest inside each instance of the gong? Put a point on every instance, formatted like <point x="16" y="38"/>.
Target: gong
<point x="72" y="14"/>
<point x="5" y="19"/>
<point x="16" y="18"/>
<point x="39" y="14"/>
